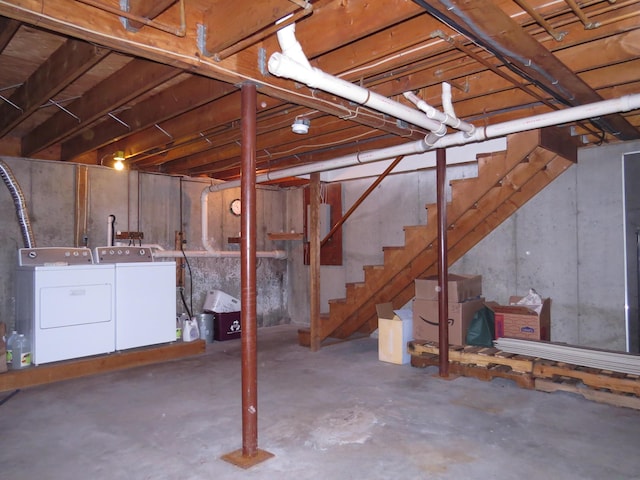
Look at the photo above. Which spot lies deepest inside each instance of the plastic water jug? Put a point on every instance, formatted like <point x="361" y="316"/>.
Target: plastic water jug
<point x="190" y="330"/>
<point x="21" y="355"/>
<point x="10" y="340"/>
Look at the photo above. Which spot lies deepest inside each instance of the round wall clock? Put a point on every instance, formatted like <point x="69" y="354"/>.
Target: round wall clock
<point x="235" y="207"/>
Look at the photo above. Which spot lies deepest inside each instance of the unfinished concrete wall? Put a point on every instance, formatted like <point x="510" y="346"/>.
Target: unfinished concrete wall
<point x="567" y="243"/>
<point x="158" y="206"/>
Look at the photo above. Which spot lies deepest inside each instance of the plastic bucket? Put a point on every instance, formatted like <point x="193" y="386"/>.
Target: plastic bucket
<point x="205" y="324"/>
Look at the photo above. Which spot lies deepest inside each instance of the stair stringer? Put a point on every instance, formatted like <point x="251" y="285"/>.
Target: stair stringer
<point x="506" y="180"/>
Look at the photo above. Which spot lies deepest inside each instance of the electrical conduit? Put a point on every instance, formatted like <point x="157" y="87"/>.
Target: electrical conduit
<point x="20" y="204"/>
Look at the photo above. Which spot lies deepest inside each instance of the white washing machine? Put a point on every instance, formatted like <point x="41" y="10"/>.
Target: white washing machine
<point x="65" y="304"/>
<point x="145" y="293"/>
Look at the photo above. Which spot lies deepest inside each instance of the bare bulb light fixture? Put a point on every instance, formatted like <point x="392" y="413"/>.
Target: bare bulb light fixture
<point x="300" y="126"/>
<point x="118" y="158"/>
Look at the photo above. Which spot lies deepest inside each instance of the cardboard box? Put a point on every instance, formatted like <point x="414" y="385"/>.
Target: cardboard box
<point x="226" y="326"/>
<point x="460" y="287"/>
<point x="521" y="321"/>
<point x="426" y="325"/>
<point x="395" y="330"/>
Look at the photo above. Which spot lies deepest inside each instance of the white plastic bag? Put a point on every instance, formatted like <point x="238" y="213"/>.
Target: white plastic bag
<point x="533" y="300"/>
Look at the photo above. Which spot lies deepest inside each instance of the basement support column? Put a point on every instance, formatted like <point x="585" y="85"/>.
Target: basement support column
<point x="249" y="455"/>
<point x="443" y="264"/>
<point x="314" y="260"/>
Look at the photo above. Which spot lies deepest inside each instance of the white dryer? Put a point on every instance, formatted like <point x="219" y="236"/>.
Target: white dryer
<point x="145" y="293"/>
<point x="65" y="303"/>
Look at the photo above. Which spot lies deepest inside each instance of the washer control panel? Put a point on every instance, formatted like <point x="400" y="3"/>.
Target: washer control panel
<point x="54" y="256"/>
<point x="129" y="254"/>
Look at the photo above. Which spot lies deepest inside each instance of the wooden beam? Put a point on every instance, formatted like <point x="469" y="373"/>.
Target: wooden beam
<point x="137" y="77"/>
<point x="148" y="9"/>
<point x="222" y="32"/>
<point x="273" y="144"/>
<point x="332" y="24"/>
<point x="170" y="103"/>
<point x="66" y="64"/>
<point x="494" y="29"/>
<point x="8" y="28"/>
<point x="69" y="369"/>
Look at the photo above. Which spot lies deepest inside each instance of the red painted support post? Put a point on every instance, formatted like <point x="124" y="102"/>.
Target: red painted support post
<point x="249" y="455"/>
<point x="443" y="263"/>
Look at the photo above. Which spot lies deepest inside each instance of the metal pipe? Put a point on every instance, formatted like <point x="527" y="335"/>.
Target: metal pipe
<point x="443" y="264"/>
<point x="558" y="36"/>
<point x="248" y="273"/>
<point x="20" y="204"/>
<point x="314" y="262"/>
<point x="588" y="24"/>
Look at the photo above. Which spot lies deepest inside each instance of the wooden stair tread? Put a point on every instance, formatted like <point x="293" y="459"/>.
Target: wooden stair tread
<point x="505" y="181"/>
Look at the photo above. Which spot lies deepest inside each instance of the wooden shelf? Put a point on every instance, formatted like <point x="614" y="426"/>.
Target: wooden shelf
<point x="285" y="236"/>
<point x="68" y="369"/>
<point x="233" y="240"/>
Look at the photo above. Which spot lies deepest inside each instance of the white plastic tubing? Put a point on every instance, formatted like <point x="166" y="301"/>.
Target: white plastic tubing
<point x="592" y="110"/>
<point x="298" y="68"/>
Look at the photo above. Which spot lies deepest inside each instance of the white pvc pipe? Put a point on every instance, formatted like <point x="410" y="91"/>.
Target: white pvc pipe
<point x="446" y="118"/>
<point x="558" y="117"/>
<point x="204" y="220"/>
<point x="289" y="44"/>
<point x="284" y="66"/>
<point x="597" y="109"/>
<point x="278" y="254"/>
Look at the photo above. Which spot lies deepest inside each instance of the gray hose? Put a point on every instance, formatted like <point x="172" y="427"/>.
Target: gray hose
<point x="18" y="200"/>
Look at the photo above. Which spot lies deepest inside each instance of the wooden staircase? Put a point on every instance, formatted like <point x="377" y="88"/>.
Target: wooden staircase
<point x="505" y="182"/>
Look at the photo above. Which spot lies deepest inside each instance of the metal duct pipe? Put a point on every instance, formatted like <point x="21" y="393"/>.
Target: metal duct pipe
<point x="18" y="200"/>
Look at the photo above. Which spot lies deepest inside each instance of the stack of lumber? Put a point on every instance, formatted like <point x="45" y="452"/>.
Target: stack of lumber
<point x="588" y="357"/>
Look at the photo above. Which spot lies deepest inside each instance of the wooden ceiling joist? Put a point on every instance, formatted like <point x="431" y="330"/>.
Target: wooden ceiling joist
<point x="114" y="91"/>
<point x="66" y="64"/>
<point x="191" y="93"/>
<point x="494" y="29"/>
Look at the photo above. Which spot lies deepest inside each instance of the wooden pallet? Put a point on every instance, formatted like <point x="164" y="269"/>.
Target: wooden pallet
<point x="481" y="356"/>
<point x="613" y="388"/>
<point x="591" y="377"/>
<point x="573" y="385"/>
<point x="462" y="362"/>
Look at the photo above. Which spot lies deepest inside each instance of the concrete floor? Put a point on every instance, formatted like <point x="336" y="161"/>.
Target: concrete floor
<point x="338" y="414"/>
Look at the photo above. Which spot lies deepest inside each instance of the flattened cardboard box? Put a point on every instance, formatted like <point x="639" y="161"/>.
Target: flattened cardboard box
<point x="521" y="321"/>
<point x="426" y="324"/>
<point x="459" y="287"/>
